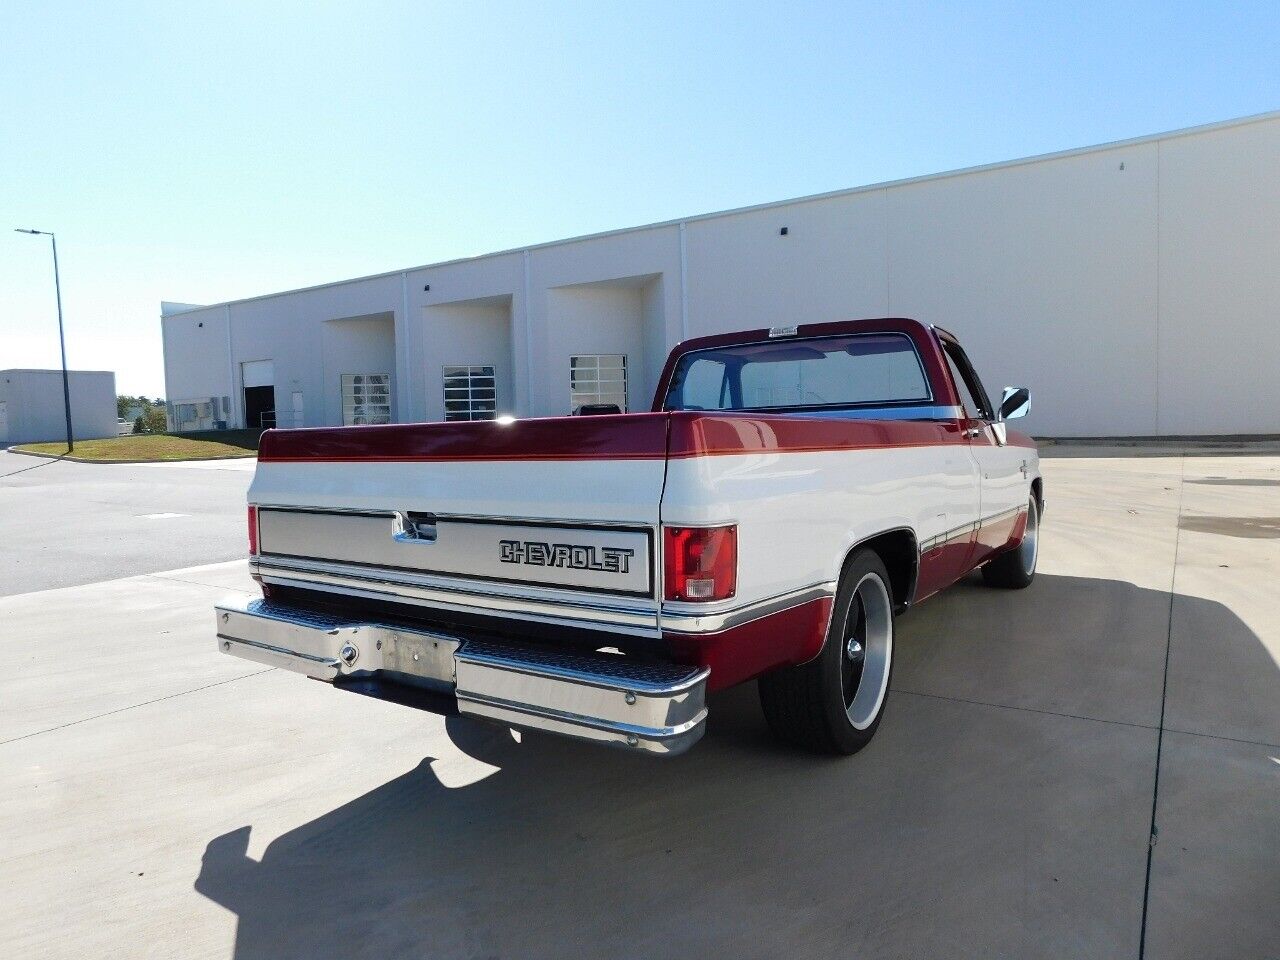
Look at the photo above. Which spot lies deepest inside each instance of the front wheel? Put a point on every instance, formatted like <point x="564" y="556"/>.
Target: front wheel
<point x="1017" y="568"/>
<point x="834" y="703"/>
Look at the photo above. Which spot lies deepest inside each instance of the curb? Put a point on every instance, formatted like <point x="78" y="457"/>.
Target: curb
<point x="109" y="463"/>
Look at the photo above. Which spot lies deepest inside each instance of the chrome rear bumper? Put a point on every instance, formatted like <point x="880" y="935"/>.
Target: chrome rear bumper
<point x="653" y="706"/>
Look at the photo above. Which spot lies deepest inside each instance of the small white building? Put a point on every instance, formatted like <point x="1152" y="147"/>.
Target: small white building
<point x="1134" y="287"/>
<point x="32" y="409"/>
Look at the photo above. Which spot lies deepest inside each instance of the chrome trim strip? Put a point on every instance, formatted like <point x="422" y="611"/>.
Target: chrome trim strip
<point x="475" y="517"/>
<point x="665" y="741"/>
<point x="966" y="528"/>
<point x="933" y="542"/>
<point x="299" y="508"/>
<point x="686" y="618"/>
<point x="322" y="668"/>
<point x="457" y="586"/>
<point x="655" y="707"/>
<point x="418" y="590"/>
<point x="1002" y="515"/>
<point x="932" y="412"/>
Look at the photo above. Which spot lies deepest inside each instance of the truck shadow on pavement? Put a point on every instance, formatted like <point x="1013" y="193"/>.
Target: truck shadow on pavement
<point x="1002" y="810"/>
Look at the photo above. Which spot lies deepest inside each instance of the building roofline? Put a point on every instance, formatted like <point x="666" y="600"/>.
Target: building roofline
<point x="55" y="370"/>
<point x="768" y="205"/>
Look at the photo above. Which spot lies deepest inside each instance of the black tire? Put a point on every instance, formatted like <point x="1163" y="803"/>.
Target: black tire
<point x="807" y="706"/>
<point x="1016" y="569"/>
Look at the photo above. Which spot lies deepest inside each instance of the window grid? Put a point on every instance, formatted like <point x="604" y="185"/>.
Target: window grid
<point x="598" y="378"/>
<point x="470" y="392"/>
<point x="366" y="398"/>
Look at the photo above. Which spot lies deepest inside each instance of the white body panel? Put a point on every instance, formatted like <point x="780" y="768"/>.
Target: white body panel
<point x="798" y="514"/>
<point x="599" y="491"/>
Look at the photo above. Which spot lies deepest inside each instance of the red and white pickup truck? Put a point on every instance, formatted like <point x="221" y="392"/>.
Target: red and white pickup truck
<point x="791" y="492"/>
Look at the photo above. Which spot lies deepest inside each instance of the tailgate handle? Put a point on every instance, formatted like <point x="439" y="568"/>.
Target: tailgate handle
<point x="414" y="528"/>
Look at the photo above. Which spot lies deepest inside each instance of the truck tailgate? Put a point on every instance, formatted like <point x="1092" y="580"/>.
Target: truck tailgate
<point x="568" y="503"/>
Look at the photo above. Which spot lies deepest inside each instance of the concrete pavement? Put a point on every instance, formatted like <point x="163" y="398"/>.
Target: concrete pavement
<point x="159" y="799"/>
<point x="64" y="523"/>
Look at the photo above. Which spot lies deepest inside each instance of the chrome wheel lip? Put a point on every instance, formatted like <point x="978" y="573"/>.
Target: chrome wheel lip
<point x="877" y="650"/>
<point x="1030" y="548"/>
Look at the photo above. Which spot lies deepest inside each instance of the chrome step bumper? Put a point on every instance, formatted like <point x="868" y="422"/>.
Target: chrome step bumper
<point x="653" y="706"/>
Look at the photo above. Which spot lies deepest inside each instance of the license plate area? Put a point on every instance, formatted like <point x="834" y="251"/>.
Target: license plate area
<point x="418" y="655"/>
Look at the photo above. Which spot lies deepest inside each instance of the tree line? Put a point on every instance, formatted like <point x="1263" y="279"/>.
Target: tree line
<point x="147" y="413"/>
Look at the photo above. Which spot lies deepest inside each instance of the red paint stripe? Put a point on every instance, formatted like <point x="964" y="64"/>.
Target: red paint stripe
<point x="704" y="434"/>
<point x="624" y="437"/>
<point x="619" y="437"/>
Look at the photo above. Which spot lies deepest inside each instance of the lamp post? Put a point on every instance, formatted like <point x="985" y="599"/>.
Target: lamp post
<point x="62" y="340"/>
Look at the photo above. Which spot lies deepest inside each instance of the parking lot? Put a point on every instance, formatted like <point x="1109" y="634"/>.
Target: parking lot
<point x="158" y="799"/>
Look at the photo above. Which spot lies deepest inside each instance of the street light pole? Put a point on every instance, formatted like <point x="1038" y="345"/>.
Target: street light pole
<point x="62" y="340"/>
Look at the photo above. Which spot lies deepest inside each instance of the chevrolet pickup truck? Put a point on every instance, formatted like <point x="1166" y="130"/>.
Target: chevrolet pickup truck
<point x="791" y="492"/>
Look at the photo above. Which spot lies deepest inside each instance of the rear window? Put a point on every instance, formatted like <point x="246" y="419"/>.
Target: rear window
<point x="863" y="369"/>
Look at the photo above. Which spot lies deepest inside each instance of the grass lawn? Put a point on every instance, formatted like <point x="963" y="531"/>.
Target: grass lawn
<point x="205" y="445"/>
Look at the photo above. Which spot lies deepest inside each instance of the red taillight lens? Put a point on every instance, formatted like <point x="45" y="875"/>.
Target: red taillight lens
<point x="701" y="562"/>
<point x="253" y="531"/>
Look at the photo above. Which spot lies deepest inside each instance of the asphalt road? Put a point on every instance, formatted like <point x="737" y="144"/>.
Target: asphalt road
<point x="64" y="523"/>
<point x="160" y="799"/>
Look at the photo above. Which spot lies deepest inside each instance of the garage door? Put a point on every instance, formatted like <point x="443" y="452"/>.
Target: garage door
<point x="258" y="373"/>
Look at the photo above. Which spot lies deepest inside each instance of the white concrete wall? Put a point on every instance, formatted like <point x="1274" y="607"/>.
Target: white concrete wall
<point x="1133" y="287"/>
<point x="597" y="318"/>
<point x="353" y="345"/>
<point x="469" y="333"/>
<point x="564" y="317"/>
<point x="197" y="362"/>
<point x="36" y="411"/>
<point x="1047" y="274"/>
<point x="1218" y="353"/>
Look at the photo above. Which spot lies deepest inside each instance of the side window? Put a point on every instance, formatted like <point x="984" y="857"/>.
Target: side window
<point x="705" y="386"/>
<point x="972" y="396"/>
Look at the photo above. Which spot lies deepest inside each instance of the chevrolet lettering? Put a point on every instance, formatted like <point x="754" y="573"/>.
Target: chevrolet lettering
<point x="791" y="492"/>
<point x="541" y="554"/>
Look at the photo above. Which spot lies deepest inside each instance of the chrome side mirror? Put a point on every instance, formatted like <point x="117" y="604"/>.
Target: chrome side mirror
<point x="1015" y="402"/>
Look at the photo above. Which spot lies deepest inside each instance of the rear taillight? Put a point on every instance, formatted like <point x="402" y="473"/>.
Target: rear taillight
<point x="253" y="531"/>
<point x="701" y="562"/>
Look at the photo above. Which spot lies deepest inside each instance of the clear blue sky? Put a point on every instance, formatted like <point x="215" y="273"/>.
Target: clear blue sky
<point x="203" y="152"/>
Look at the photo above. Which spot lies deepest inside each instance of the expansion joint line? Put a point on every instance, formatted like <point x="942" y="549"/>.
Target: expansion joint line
<point x="1154" y="833"/>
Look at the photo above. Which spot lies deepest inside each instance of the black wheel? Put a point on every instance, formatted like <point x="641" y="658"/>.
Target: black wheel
<point x="1017" y="568"/>
<point x="834" y="703"/>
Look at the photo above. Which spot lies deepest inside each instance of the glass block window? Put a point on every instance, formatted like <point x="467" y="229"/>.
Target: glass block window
<point x="366" y="398"/>
<point x="470" y="393"/>
<point x="598" y="378"/>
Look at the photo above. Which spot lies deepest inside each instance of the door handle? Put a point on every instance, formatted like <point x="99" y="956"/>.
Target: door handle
<point x="413" y="528"/>
<point x="973" y="432"/>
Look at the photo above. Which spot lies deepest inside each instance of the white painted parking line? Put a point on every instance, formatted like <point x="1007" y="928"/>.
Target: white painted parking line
<point x="162" y="516"/>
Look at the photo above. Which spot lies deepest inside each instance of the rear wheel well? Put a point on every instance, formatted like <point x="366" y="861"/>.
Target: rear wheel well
<point x="901" y="558"/>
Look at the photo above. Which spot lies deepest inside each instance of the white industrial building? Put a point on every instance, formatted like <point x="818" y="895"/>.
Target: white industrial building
<point x="33" y="410"/>
<point x="1135" y="287"/>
